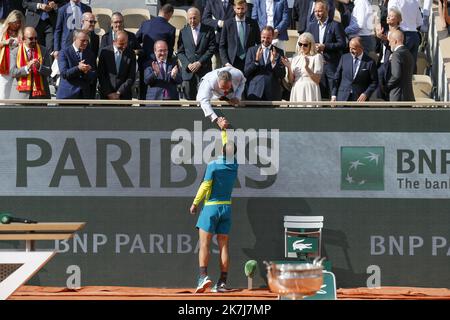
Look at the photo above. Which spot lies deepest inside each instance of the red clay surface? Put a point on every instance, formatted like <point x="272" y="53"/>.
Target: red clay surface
<point x="138" y="293"/>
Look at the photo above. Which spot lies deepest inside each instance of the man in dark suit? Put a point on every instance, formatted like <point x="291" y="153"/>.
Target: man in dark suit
<point x="88" y="25"/>
<point x="77" y="67"/>
<point x="162" y="75"/>
<point x="196" y="46"/>
<point x="41" y="15"/>
<point x="157" y="28"/>
<point x="330" y="41"/>
<point x="264" y="69"/>
<point x="31" y="70"/>
<point x="214" y="15"/>
<point x="117" y="69"/>
<point x="5" y="9"/>
<point x="118" y="25"/>
<point x="200" y="5"/>
<point x="69" y="18"/>
<point x="6" y="6"/>
<point x="303" y="13"/>
<point x="401" y="69"/>
<point x="238" y="34"/>
<point x="18" y="5"/>
<point x="356" y="77"/>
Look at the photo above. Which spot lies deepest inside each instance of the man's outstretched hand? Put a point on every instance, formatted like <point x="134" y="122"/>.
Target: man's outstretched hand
<point x="223" y="123"/>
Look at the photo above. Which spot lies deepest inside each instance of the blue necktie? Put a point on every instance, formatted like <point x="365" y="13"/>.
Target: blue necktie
<point x="44" y="15"/>
<point x="118" y="60"/>
<point x="266" y="55"/>
<point x="355" y="67"/>
<point x="78" y="53"/>
<point x="242" y="40"/>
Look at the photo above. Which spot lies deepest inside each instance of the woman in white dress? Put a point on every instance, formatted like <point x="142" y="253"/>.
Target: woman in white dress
<point x="305" y="70"/>
<point x="11" y="34"/>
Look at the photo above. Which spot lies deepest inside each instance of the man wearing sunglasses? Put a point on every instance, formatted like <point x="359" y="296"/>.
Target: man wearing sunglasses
<point x="88" y="25"/>
<point x="30" y="68"/>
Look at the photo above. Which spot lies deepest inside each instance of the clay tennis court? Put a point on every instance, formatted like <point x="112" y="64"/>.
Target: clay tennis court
<point x="137" y="293"/>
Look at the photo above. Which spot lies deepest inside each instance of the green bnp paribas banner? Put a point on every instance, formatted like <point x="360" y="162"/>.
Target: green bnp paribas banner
<point x="380" y="178"/>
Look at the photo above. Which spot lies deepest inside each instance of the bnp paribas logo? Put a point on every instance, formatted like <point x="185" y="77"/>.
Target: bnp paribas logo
<point x="362" y="168"/>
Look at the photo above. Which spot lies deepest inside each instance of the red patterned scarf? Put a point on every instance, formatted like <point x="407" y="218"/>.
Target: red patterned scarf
<point x="4" y="57"/>
<point x="25" y="83"/>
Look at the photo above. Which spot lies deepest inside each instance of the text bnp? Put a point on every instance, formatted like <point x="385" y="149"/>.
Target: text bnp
<point x="423" y="162"/>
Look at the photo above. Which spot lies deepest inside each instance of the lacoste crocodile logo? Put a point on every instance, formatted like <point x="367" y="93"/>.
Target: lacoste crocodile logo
<point x="299" y="245"/>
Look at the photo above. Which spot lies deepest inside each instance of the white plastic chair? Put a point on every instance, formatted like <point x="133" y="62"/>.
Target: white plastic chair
<point x="179" y="18"/>
<point x="103" y="16"/>
<point x="133" y="17"/>
<point x="302" y="227"/>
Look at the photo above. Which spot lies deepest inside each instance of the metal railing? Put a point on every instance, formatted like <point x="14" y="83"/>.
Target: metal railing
<point x="426" y="103"/>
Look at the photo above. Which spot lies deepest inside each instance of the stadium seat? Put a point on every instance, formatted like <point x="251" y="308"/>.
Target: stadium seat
<point x="103" y="16"/>
<point x="100" y="32"/>
<point x="132" y="30"/>
<point x="422" y="86"/>
<point x="179" y="18"/>
<point x="292" y="42"/>
<point x="133" y="18"/>
<point x="422" y="63"/>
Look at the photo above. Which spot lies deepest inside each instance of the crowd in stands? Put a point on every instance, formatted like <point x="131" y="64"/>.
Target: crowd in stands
<point x="342" y="52"/>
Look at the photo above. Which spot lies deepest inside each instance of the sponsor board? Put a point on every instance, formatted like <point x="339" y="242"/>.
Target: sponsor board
<point x="127" y="176"/>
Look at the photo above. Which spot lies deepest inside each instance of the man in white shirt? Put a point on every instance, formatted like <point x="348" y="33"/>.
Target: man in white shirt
<point x="226" y="83"/>
<point x="361" y="25"/>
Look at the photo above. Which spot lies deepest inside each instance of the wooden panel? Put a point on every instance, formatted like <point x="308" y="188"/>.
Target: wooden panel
<point x="36" y="236"/>
<point x="42" y="226"/>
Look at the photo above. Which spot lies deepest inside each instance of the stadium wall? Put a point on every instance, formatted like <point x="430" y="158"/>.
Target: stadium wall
<point x="118" y="169"/>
